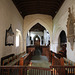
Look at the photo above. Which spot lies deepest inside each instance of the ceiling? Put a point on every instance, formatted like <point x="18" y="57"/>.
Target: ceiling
<point x="28" y="7"/>
<point x="37" y="28"/>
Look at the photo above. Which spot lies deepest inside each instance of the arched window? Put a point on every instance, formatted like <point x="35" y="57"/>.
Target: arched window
<point x="17" y="37"/>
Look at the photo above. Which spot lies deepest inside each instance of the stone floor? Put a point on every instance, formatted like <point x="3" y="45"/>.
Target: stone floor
<point x="40" y="61"/>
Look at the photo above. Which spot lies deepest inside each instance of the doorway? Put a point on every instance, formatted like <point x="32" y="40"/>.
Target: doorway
<point x="36" y="41"/>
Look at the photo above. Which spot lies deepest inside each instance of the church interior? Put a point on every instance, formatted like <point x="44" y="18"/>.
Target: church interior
<point x="37" y="37"/>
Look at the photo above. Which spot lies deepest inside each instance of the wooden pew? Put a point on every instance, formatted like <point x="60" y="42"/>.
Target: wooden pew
<point x="25" y="60"/>
<point x="68" y="62"/>
<point x="57" y="61"/>
<point x="11" y="59"/>
<point x="30" y="48"/>
<point x="6" y="59"/>
<point x="44" y="50"/>
<point x="14" y="61"/>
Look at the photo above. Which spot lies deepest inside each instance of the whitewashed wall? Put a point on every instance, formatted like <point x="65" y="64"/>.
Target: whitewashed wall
<point x="9" y="15"/>
<point x="59" y="24"/>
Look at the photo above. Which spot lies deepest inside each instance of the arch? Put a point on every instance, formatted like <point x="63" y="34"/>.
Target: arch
<point x="31" y="20"/>
<point x="62" y="37"/>
<point x="35" y="22"/>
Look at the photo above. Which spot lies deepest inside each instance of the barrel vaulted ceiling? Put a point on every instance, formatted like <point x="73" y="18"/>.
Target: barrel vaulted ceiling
<point x="28" y="7"/>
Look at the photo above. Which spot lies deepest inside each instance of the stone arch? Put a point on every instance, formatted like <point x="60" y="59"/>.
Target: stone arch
<point x="62" y="40"/>
<point x="56" y="39"/>
<point x="35" y="22"/>
<point x="30" y="23"/>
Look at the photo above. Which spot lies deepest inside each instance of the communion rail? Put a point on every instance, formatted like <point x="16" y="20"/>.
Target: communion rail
<point x="22" y="70"/>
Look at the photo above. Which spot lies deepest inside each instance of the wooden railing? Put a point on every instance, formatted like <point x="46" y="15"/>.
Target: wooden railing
<point x="38" y="71"/>
<point x="63" y="70"/>
<point x="22" y="70"/>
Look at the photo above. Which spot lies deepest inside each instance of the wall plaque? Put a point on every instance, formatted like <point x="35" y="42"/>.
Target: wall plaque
<point x="9" y="37"/>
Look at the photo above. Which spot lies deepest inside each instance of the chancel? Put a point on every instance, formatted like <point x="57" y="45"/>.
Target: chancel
<point x="37" y="37"/>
